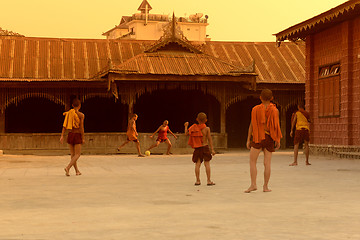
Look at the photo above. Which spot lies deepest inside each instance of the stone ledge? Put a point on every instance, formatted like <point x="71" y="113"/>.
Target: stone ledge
<point x="341" y="151"/>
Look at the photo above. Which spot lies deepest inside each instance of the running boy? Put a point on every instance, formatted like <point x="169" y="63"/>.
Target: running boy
<point x="200" y="139"/>
<point x="74" y="122"/>
<point x="131" y="134"/>
<point x="162" y="136"/>
<point x="265" y="130"/>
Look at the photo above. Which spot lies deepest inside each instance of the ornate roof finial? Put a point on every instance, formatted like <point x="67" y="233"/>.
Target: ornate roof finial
<point x="145" y="7"/>
<point x="173" y="25"/>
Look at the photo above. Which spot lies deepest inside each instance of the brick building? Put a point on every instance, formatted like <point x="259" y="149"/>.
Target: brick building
<point x="332" y="88"/>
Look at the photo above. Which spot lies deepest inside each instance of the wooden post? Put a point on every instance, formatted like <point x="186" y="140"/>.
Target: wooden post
<point x="131" y="108"/>
<point x="223" y="113"/>
<point x="2" y="120"/>
<point x="283" y="127"/>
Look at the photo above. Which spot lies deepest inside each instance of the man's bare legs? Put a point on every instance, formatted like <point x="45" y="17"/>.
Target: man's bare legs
<point x="254" y="154"/>
<point x="306" y="151"/>
<point x="267" y="169"/>
<point x="154" y="145"/>
<point x="169" y="146"/>
<point x="208" y="173"/>
<point x="197" y="172"/>
<point x="296" y="151"/>
<point x="126" y="142"/>
<point x="138" y="149"/>
<point x="75" y="152"/>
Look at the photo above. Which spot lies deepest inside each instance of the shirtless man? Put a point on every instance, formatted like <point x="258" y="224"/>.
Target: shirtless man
<point x="265" y="130"/>
<point x="162" y="136"/>
<point x="74" y="122"/>
<point x="131" y="134"/>
<point x="200" y="139"/>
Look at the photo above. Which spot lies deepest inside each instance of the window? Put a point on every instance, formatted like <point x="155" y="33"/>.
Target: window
<point x="132" y="31"/>
<point x="329" y="90"/>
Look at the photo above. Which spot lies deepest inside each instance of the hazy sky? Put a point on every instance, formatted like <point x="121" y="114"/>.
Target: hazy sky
<point x="230" y="20"/>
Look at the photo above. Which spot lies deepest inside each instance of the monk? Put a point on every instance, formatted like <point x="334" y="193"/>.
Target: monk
<point x="265" y="131"/>
<point x="162" y="136"/>
<point x="200" y="139"/>
<point x="302" y="133"/>
<point x="74" y="122"/>
<point x="132" y="134"/>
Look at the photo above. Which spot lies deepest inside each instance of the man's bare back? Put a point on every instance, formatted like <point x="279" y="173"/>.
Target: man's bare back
<point x="206" y="134"/>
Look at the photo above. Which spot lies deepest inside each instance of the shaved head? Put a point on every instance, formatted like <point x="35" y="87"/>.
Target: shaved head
<point x="202" y="117"/>
<point x="266" y="95"/>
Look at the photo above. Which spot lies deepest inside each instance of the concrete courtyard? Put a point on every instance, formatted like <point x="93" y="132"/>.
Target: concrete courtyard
<point x="126" y="197"/>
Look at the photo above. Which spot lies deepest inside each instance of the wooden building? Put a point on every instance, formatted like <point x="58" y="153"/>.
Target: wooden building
<point x="332" y="75"/>
<point x="171" y="78"/>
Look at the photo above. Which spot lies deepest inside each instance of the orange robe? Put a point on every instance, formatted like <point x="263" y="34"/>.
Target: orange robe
<point x="71" y="120"/>
<point x="131" y="132"/>
<point x="196" y="136"/>
<point x="269" y="116"/>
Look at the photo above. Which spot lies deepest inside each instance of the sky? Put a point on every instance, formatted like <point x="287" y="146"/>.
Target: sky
<point x="229" y="20"/>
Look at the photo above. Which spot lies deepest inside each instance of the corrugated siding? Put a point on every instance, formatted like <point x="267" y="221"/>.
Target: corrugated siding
<point x="80" y="59"/>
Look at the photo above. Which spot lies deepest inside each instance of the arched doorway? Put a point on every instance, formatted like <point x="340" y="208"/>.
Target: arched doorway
<point x="34" y="115"/>
<point x="237" y="121"/>
<point x="176" y="106"/>
<point x="104" y="115"/>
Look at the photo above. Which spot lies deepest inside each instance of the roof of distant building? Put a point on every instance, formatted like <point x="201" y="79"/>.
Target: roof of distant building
<point x="58" y="59"/>
<point x="4" y="32"/>
<point x="144" y="6"/>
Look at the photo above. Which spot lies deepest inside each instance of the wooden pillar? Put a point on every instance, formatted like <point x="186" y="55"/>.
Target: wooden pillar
<point x="222" y="118"/>
<point x="283" y="127"/>
<point x="210" y="114"/>
<point x="131" y="108"/>
<point x="2" y="120"/>
<point x="222" y="113"/>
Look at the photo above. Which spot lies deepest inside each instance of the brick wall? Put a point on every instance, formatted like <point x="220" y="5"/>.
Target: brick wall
<point x="340" y="43"/>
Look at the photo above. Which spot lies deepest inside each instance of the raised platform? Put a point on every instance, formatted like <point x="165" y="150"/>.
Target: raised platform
<point x="95" y="143"/>
<point x="336" y="150"/>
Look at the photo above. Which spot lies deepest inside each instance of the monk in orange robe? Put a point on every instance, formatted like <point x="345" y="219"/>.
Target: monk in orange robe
<point x="132" y="134"/>
<point x="200" y="139"/>
<point x="74" y="122"/>
<point x="266" y="134"/>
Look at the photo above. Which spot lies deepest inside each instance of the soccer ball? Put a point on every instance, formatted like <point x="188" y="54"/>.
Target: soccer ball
<point x="147" y="153"/>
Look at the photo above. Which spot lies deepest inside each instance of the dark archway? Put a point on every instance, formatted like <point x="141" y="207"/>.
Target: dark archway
<point x="289" y="140"/>
<point x="104" y="115"/>
<point x="34" y="115"/>
<point x="176" y="106"/>
<point x="238" y="120"/>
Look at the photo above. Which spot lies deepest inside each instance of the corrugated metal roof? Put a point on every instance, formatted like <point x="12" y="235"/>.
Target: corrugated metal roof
<point x="170" y="63"/>
<point x="284" y="64"/>
<point x="48" y="59"/>
<point x="340" y="13"/>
